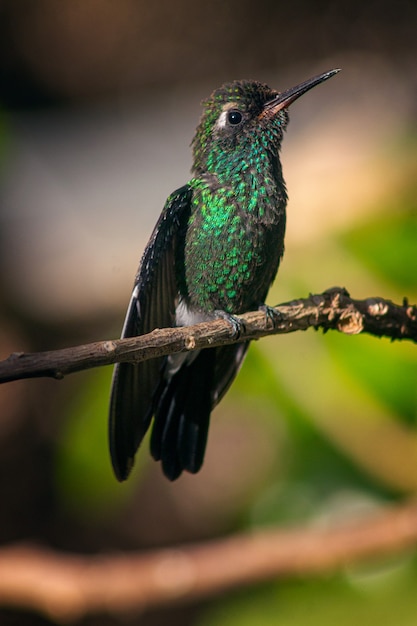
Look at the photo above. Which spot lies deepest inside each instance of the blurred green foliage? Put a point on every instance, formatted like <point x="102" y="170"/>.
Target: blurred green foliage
<point x="386" y="245"/>
<point x="383" y="598"/>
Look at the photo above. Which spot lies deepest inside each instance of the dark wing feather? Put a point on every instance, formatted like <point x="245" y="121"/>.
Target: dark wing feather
<point x="152" y="306"/>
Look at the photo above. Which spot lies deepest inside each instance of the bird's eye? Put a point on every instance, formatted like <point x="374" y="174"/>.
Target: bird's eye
<point x="234" y="117"/>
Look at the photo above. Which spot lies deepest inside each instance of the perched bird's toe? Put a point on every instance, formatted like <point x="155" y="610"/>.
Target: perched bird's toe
<point x="237" y="324"/>
<point x="271" y="314"/>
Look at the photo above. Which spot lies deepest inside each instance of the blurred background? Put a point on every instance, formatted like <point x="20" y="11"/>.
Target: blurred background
<point x="98" y="104"/>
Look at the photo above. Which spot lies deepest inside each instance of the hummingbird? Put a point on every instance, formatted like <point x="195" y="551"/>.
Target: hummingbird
<point x="214" y="252"/>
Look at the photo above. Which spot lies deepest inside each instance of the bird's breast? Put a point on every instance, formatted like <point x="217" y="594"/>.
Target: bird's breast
<point x="232" y="250"/>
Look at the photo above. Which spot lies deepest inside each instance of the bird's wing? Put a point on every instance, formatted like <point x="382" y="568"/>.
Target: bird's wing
<point x="152" y="305"/>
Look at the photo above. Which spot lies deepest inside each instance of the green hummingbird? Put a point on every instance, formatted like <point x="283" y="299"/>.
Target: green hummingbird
<point x="214" y="251"/>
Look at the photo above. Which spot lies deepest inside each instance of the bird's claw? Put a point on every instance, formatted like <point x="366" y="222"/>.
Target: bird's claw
<point x="271" y="314"/>
<point x="237" y="325"/>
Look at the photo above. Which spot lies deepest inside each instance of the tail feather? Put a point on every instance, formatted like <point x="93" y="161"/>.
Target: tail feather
<point x="182" y="417"/>
<point x="165" y="427"/>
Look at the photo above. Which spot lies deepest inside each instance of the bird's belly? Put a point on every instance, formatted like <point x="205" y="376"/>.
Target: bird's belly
<point x="231" y="273"/>
<point x="187" y="316"/>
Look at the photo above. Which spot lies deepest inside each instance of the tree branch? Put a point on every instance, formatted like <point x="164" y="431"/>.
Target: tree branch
<point x="67" y="587"/>
<point x="332" y="310"/>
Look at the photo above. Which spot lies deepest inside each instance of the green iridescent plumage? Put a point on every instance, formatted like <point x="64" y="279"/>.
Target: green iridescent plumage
<point x="232" y="246"/>
<point x="215" y="250"/>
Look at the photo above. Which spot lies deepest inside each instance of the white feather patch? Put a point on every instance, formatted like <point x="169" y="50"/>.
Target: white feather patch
<point x="222" y="119"/>
<point x="184" y="316"/>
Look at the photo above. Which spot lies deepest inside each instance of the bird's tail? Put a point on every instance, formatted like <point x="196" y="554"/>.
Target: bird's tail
<point x="182" y="415"/>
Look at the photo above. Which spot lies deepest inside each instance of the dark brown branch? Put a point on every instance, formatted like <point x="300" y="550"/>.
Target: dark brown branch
<point x="67" y="587"/>
<point x="332" y="310"/>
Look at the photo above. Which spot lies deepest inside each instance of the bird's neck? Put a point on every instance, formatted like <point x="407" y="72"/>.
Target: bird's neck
<point x="253" y="176"/>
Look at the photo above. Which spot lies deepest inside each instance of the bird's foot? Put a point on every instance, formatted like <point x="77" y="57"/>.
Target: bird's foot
<point x="236" y="323"/>
<point x="271" y="314"/>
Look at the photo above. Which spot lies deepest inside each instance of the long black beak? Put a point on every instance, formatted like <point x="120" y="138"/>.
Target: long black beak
<point x="284" y="99"/>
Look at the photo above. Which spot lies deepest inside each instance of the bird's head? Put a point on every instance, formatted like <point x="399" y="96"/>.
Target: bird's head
<point x="242" y="116"/>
